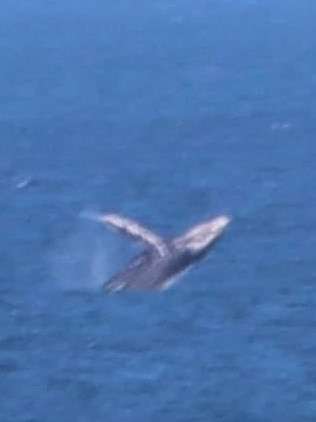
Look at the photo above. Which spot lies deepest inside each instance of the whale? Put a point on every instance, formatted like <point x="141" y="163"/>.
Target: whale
<point x="162" y="260"/>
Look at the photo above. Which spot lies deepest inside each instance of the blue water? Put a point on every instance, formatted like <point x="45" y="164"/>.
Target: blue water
<point x="168" y="112"/>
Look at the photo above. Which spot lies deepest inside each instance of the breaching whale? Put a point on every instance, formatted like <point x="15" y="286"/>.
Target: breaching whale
<point x="162" y="260"/>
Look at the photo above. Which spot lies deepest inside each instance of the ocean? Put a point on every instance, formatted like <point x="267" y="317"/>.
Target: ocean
<point x="169" y="112"/>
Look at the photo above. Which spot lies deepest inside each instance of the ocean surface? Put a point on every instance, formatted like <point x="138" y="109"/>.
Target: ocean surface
<point x="169" y="112"/>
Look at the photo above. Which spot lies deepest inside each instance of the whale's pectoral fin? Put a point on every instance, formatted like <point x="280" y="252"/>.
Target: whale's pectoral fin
<point x="203" y="235"/>
<point x="133" y="229"/>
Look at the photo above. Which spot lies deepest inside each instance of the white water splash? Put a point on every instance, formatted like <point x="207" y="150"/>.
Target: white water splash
<point x="84" y="260"/>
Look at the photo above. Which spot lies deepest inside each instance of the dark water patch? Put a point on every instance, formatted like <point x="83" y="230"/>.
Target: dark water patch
<point x="15" y="343"/>
<point x="8" y="366"/>
<point x="82" y="389"/>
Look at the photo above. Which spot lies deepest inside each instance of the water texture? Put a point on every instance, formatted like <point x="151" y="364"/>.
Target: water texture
<point x="168" y="112"/>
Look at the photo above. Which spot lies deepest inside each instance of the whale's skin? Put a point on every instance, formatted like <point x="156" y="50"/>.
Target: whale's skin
<point x="163" y="260"/>
<point x="149" y="271"/>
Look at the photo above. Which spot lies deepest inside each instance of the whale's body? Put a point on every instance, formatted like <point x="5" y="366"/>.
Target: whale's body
<point x="162" y="260"/>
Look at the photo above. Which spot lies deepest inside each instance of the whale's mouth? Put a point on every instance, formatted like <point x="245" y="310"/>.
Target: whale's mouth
<point x="200" y="237"/>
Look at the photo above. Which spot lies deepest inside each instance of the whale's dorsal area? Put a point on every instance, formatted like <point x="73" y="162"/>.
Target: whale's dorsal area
<point x="135" y="230"/>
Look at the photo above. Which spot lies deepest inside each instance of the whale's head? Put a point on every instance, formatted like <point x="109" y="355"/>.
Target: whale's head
<point x="197" y="240"/>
